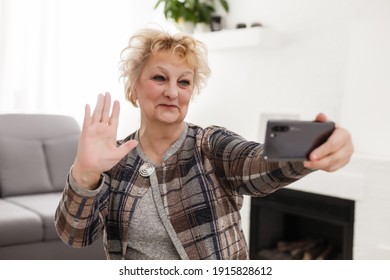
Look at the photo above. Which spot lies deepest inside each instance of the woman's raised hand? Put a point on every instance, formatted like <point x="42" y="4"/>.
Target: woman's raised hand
<point x="98" y="150"/>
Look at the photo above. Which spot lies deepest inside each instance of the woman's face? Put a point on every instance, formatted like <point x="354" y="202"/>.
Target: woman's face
<point x="164" y="89"/>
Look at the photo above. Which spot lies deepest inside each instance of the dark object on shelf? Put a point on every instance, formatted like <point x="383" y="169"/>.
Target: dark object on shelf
<point x="240" y="25"/>
<point x="256" y="24"/>
<point x="216" y="23"/>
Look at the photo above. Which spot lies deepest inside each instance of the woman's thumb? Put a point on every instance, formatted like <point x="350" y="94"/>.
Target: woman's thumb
<point x="129" y="145"/>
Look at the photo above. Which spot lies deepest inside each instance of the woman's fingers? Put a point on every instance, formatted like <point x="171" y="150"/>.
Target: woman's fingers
<point x="114" y="118"/>
<point x="333" y="144"/>
<point x="87" y="116"/>
<point x="102" y="109"/>
<point x="321" y="117"/>
<point x="334" y="153"/>
<point x="98" y="151"/>
<point x="125" y="148"/>
<point x="97" y="113"/>
<point x="106" y="108"/>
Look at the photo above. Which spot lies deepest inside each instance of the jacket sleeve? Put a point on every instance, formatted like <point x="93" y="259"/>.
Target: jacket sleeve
<point x="240" y="165"/>
<point x="80" y="213"/>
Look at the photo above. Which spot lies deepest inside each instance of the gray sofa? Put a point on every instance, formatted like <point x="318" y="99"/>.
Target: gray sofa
<point x="36" y="152"/>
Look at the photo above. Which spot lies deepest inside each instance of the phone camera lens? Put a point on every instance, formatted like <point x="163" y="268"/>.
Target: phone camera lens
<point x="280" y="128"/>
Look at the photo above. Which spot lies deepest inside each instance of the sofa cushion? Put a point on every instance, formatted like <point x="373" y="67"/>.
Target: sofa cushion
<point x="22" y="167"/>
<point x="37" y="126"/>
<point x="60" y="154"/>
<point x="44" y="205"/>
<point x="18" y="225"/>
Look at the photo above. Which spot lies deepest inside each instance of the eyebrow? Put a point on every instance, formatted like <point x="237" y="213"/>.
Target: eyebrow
<point x="165" y="70"/>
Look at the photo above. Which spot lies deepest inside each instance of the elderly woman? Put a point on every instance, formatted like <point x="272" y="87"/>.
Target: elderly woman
<point x="170" y="190"/>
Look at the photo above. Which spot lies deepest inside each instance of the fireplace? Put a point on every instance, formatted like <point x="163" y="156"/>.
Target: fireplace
<point x="292" y="224"/>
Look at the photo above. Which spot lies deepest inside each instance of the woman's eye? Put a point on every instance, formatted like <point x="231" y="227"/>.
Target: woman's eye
<point x="184" y="83"/>
<point x="158" y="78"/>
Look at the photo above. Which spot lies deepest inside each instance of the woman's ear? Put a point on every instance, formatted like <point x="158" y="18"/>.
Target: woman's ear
<point x="134" y="94"/>
<point x="133" y="97"/>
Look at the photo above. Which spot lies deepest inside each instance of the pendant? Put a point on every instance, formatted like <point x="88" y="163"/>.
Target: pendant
<point x="146" y="169"/>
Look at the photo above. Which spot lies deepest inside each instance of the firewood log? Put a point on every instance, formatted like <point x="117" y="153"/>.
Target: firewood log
<point x="325" y="253"/>
<point x="298" y="252"/>
<point x="315" y="251"/>
<point x="284" y="246"/>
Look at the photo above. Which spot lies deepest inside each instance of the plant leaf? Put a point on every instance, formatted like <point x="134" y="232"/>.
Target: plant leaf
<point x="191" y="4"/>
<point x="225" y="5"/>
<point x="205" y="12"/>
<point x="158" y="3"/>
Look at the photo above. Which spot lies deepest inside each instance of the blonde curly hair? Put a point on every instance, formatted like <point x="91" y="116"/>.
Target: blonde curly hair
<point x="147" y="42"/>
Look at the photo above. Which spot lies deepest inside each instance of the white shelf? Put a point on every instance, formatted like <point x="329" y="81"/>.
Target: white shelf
<point x="240" y="38"/>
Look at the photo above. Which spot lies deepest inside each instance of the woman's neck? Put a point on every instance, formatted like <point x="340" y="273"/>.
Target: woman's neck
<point x="156" y="139"/>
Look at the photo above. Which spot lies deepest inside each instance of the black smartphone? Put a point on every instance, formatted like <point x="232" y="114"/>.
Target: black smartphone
<point x="294" y="140"/>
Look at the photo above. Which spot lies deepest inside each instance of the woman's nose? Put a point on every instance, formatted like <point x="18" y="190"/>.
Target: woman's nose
<point x="171" y="91"/>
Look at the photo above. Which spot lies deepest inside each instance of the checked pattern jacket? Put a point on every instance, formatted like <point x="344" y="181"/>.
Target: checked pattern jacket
<point x="201" y="182"/>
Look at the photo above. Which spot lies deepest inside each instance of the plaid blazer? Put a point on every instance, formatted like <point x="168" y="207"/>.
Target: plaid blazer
<point x="201" y="183"/>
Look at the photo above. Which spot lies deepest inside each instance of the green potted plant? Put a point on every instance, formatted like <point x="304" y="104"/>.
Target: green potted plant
<point x="191" y="12"/>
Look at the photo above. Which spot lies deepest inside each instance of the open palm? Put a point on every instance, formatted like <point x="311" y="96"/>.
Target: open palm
<point x="98" y="150"/>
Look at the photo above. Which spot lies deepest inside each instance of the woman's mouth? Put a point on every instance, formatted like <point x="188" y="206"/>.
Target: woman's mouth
<point x="169" y="106"/>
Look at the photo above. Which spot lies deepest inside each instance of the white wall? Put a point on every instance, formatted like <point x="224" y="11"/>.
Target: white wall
<point x="334" y="59"/>
<point x="91" y="39"/>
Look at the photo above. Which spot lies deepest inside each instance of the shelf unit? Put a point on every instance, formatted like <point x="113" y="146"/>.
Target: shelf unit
<point x="240" y="38"/>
